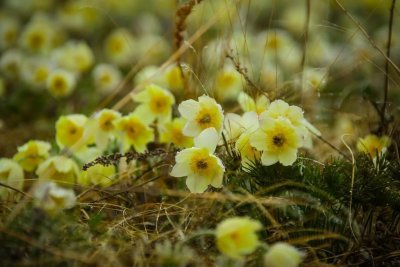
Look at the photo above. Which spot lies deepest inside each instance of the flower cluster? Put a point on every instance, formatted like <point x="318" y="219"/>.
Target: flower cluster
<point x="236" y="237"/>
<point x="55" y="46"/>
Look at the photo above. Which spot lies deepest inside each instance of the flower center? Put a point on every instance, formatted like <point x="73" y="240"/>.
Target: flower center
<point x="134" y="129"/>
<point x="202" y="164"/>
<point x="159" y="104"/>
<point x="72" y="131"/>
<point x="205" y="119"/>
<point x="278" y="140"/>
<point x="59" y="84"/>
<point x="36" y="41"/>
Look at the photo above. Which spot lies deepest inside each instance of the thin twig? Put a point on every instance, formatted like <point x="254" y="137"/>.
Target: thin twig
<point x="386" y="84"/>
<point x="304" y="56"/>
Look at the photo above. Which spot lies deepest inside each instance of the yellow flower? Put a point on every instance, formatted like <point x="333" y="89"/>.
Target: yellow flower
<point x="134" y="132"/>
<point x="173" y="79"/>
<point x="70" y="131"/>
<point x="171" y="132"/>
<point x="228" y="84"/>
<point x="199" y="163"/>
<point x="201" y="115"/>
<point x="11" y="63"/>
<point x="283" y="255"/>
<point x="278" y="139"/>
<point x="281" y="109"/>
<point x="314" y="79"/>
<point x="235" y="125"/>
<point x="9" y="30"/>
<point x="120" y="47"/>
<point x="106" y="78"/>
<point x="236" y="237"/>
<point x="35" y="71"/>
<point x="61" y="83"/>
<point x="97" y="175"/>
<point x="10" y="174"/>
<point x="74" y="56"/>
<point x="147" y="75"/>
<point x="103" y="127"/>
<point x="31" y="154"/>
<point x="52" y="198"/>
<point x="155" y="103"/>
<point x="38" y="35"/>
<point x="278" y="45"/>
<point x="248" y="104"/>
<point x="373" y="145"/>
<point x="79" y="17"/>
<point x="60" y="169"/>
<point x="248" y="153"/>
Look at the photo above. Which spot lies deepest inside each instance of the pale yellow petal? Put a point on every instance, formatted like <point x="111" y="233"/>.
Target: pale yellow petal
<point x="207" y="139"/>
<point x="191" y="129"/>
<point x="197" y="184"/>
<point x="268" y="158"/>
<point x="180" y="170"/>
<point x="188" y="109"/>
<point x="258" y="140"/>
<point x="287" y="157"/>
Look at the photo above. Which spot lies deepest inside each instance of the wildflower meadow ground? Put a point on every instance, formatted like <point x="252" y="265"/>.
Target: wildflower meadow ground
<point x="199" y="133"/>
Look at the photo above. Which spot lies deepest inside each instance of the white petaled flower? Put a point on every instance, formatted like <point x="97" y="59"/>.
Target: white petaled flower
<point x="283" y="255"/>
<point x="31" y="154"/>
<point x="278" y="140"/>
<point x="235" y="125"/>
<point x="119" y="47"/>
<point x="38" y="36"/>
<point x="228" y="84"/>
<point x="11" y="174"/>
<point x="59" y="169"/>
<point x="249" y="104"/>
<point x="103" y="127"/>
<point x="200" y="115"/>
<point x="60" y="83"/>
<point x="134" y="132"/>
<point x="98" y="175"/>
<point x="314" y="79"/>
<point x="281" y="109"/>
<point x="9" y="30"/>
<point x="199" y="164"/>
<point x="74" y="56"/>
<point x="106" y="77"/>
<point x="11" y="63"/>
<point x="35" y="71"/>
<point x="52" y="198"/>
<point x="155" y="103"/>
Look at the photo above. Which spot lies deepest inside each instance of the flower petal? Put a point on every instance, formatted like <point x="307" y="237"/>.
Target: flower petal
<point x="269" y="158"/>
<point x="180" y="170"/>
<point x="246" y="102"/>
<point x="142" y="97"/>
<point x="189" y="108"/>
<point x="191" y="129"/>
<point x="207" y="139"/>
<point x="288" y="157"/>
<point x="258" y="140"/>
<point x="250" y="121"/>
<point x="217" y="179"/>
<point x="184" y="155"/>
<point x="197" y="184"/>
<point x="144" y="113"/>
